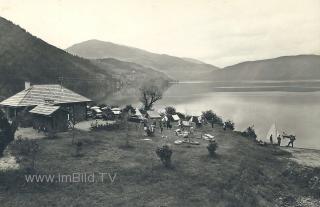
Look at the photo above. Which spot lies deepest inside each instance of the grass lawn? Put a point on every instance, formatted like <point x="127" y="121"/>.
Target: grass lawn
<point x="241" y="174"/>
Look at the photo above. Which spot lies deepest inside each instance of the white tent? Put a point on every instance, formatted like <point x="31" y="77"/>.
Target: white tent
<point x="175" y="117"/>
<point x="138" y="113"/>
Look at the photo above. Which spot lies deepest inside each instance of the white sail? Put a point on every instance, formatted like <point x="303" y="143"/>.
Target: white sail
<point x="272" y="131"/>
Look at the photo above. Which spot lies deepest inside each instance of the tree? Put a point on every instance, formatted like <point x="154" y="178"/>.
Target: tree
<point x="170" y="110"/>
<point x="249" y="132"/>
<point x="211" y="117"/>
<point x="129" y="108"/>
<point x="229" y="124"/>
<point x="149" y="94"/>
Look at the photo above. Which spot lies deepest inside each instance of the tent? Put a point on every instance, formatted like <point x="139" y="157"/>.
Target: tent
<point x="194" y="119"/>
<point x="116" y="111"/>
<point x="175" y="117"/>
<point x="153" y="115"/>
<point x="186" y="124"/>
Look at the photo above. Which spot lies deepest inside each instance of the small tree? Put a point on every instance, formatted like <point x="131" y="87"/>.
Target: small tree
<point x="164" y="153"/>
<point x="229" y="125"/>
<point x="212" y="147"/>
<point x="249" y="132"/>
<point x="25" y="151"/>
<point x="8" y="130"/>
<point x="149" y="94"/>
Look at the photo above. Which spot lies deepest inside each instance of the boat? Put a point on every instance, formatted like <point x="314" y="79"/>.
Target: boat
<point x="275" y="133"/>
<point x="272" y="132"/>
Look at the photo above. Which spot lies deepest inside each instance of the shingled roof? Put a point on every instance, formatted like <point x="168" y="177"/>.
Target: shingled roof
<point x="44" y="109"/>
<point x="40" y="94"/>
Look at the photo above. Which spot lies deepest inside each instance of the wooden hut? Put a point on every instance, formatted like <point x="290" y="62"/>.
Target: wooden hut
<point x="42" y="99"/>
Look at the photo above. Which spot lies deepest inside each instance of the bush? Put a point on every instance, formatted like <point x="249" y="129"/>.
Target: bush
<point x="229" y="125"/>
<point x="212" y="147"/>
<point x="25" y="151"/>
<point x="211" y="117"/>
<point x="249" y="132"/>
<point x="164" y="153"/>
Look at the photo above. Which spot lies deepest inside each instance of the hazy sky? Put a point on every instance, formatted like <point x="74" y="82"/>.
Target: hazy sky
<point x="220" y="32"/>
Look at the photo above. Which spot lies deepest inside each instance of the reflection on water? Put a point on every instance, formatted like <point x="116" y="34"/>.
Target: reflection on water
<point x="294" y="112"/>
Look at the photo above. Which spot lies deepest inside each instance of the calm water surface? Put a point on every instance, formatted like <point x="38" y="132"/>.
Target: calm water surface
<point x="294" y="112"/>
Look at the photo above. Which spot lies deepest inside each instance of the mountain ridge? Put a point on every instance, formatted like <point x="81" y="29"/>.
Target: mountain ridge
<point x="175" y="67"/>
<point x="297" y="67"/>
<point x="25" y="57"/>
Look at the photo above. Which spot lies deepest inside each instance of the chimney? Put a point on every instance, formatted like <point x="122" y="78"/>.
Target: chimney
<point x="26" y="84"/>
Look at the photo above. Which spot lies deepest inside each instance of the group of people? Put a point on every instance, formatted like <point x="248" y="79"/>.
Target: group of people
<point x="291" y="138"/>
<point x="149" y="129"/>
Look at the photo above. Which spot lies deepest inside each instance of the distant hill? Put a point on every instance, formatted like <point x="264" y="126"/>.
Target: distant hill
<point x="24" y="57"/>
<point x="128" y="71"/>
<point x="301" y="67"/>
<point x="175" y="67"/>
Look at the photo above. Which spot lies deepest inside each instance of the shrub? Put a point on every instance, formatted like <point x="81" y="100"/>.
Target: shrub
<point x="211" y="117"/>
<point x="212" y="147"/>
<point x="25" y="151"/>
<point x="229" y="125"/>
<point x="164" y="153"/>
<point x="249" y="132"/>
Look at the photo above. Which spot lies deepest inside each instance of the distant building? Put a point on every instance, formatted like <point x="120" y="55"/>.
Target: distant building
<point x="50" y="106"/>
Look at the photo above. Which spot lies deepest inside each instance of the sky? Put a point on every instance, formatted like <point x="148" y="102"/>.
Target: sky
<point x="219" y="32"/>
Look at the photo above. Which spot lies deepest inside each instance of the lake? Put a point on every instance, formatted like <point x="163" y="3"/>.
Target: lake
<point x="294" y="106"/>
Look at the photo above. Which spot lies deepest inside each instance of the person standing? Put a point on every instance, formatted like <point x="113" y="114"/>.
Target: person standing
<point x="292" y="139"/>
<point x="271" y="139"/>
<point x="161" y="127"/>
<point x="279" y="140"/>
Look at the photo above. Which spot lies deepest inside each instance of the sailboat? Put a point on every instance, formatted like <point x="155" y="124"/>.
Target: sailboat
<point x="272" y="132"/>
<point x="275" y="133"/>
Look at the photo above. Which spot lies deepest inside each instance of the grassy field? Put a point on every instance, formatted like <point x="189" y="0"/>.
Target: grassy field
<point x="242" y="173"/>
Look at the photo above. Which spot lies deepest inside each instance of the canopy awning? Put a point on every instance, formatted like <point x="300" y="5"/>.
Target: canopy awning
<point x="46" y="110"/>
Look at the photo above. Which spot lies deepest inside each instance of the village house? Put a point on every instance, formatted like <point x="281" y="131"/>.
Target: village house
<point x="47" y="106"/>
